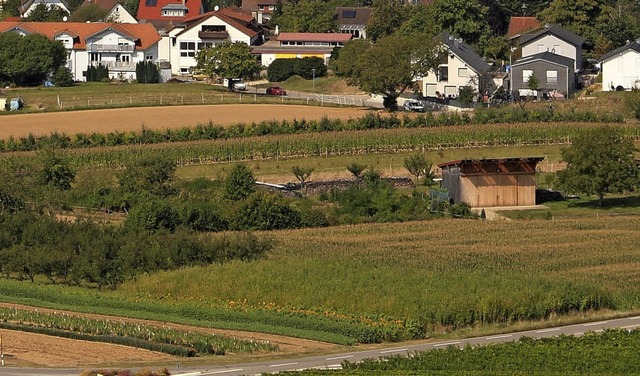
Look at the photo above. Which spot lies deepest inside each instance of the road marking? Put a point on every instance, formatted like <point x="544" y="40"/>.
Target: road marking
<point x="498" y="337"/>
<point x="283" y="364"/>
<point x="596" y="323"/>
<point x="392" y="351"/>
<point x="225" y="371"/>
<point x="340" y="357"/>
<point x="447" y="344"/>
<point x="547" y="330"/>
<point x="578" y="334"/>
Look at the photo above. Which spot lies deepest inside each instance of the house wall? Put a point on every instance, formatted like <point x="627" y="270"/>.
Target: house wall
<point x="185" y="64"/>
<point x="491" y="190"/>
<point x="432" y="85"/>
<point x="622" y="69"/>
<point x="556" y="45"/>
<point x="451" y="182"/>
<point x="119" y="14"/>
<point x="565" y="76"/>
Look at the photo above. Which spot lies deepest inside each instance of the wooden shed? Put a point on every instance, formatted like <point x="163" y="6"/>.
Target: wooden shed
<point x="491" y="182"/>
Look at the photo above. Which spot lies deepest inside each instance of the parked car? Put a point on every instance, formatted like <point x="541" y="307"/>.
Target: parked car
<point x="276" y="90"/>
<point x="413" y="105"/>
<point x="239" y="86"/>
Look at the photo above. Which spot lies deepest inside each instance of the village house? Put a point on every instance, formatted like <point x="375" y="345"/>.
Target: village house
<point x="27" y="6"/>
<point x="181" y="42"/>
<point x="554" y="39"/>
<point x="300" y="45"/>
<point x="353" y="20"/>
<point x="462" y="67"/>
<point x="163" y="14"/>
<point x="621" y="68"/>
<point x="261" y="10"/>
<point x="115" y="11"/>
<point x="554" y="73"/>
<point x="117" y="46"/>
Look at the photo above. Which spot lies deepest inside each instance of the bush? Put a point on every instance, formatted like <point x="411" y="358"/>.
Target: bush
<point x="153" y="216"/>
<point x="264" y="211"/>
<point x="282" y="69"/>
<point x="98" y="73"/>
<point x="147" y="72"/>
<point x="63" y="77"/>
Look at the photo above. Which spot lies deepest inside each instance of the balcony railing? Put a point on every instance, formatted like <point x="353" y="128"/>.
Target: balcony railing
<point x="116" y="65"/>
<point x="213" y="34"/>
<point x="110" y="48"/>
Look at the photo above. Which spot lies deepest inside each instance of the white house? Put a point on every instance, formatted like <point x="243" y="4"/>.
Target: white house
<point x="621" y="67"/>
<point x="554" y="39"/>
<point x="261" y="10"/>
<point x="115" y="11"/>
<point x="300" y="45"/>
<point x="118" y="46"/>
<point x="27" y="6"/>
<point x="462" y="67"/>
<point x="182" y="42"/>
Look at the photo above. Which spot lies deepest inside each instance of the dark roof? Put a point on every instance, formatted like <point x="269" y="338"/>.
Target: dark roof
<point x="465" y="52"/>
<point x="461" y="162"/>
<point x="352" y="15"/>
<point x="633" y="46"/>
<point x="556" y="30"/>
<point x="546" y="56"/>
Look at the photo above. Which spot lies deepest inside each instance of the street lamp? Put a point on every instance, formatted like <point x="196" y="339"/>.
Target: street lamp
<point x="313" y="80"/>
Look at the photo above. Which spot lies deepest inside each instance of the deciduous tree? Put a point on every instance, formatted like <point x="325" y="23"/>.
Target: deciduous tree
<point x="302" y="174"/>
<point x="599" y="162"/>
<point x="228" y="60"/>
<point x="307" y="16"/>
<point x="239" y="183"/>
<point x="29" y="59"/>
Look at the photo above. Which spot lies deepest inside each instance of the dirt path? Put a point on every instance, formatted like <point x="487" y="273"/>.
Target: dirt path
<point x="27" y="349"/>
<point x="133" y="119"/>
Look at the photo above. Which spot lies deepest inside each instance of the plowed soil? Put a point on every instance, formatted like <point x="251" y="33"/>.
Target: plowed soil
<point x="23" y="349"/>
<point x="133" y="119"/>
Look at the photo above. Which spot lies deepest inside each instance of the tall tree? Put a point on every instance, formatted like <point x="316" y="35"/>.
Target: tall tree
<point x="599" y="162"/>
<point x="418" y="166"/>
<point x="463" y="18"/>
<point x="579" y="16"/>
<point x="239" y="183"/>
<point x="27" y="60"/>
<point x="389" y="66"/>
<point x="387" y="17"/>
<point x="302" y="174"/>
<point x="307" y="16"/>
<point x="44" y="13"/>
<point x="228" y="60"/>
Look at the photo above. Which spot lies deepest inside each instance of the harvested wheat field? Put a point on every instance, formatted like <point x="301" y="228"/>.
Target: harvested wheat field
<point x="133" y="119"/>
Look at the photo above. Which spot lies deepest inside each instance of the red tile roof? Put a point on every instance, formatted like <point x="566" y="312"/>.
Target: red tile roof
<point x="314" y="37"/>
<point x="152" y="10"/>
<point x="144" y="34"/>
<point x="521" y="25"/>
<point x="233" y="16"/>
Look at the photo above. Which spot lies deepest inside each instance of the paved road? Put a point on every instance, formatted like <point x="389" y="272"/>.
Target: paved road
<point x="334" y="361"/>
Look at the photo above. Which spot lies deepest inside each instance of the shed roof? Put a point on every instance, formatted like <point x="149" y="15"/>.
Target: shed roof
<point x="465" y="52"/>
<point x="556" y="30"/>
<point x="462" y="162"/>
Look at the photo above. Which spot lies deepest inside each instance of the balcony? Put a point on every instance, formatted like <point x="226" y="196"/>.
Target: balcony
<point x="116" y="66"/>
<point x="110" y="48"/>
<point x="220" y="35"/>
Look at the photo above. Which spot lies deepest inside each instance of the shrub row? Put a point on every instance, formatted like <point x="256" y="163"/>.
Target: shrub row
<point x="211" y="131"/>
<point x="307" y="68"/>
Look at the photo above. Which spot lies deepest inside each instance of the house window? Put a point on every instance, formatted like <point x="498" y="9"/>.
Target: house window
<point x="148" y="57"/>
<point x="556" y="49"/>
<point x="552" y="76"/>
<point x="203" y="45"/>
<point x="188" y="49"/>
<point x="443" y="73"/>
<point x="542" y="48"/>
<point x="526" y="73"/>
<point x="463" y="72"/>
<point x="94" y="56"/>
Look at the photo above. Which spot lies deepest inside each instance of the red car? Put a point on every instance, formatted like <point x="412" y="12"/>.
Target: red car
<point x="276" y="90"/>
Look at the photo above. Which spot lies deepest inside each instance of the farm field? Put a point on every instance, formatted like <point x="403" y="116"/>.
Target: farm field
<point x="134" y="119"/>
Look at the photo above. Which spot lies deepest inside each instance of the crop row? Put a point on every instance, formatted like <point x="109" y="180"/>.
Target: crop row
<point x="338" y="143"/>
<point x="211" y="131"/>
<point x="194" y="343"/>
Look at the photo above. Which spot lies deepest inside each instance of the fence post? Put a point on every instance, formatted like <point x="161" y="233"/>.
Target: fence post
<point x="202" y="95"/>
<point x="255" y="97"/>
<point x="222" y="98"/>
<point x="181" y="99"/>
<point x="160" y="98"/>
<point x="240" y="97"/>
<point x="59" y="103"/>
<point x="88" y="102"/>
<point x="130" y="100"/>
<point x="322" y="100"/>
